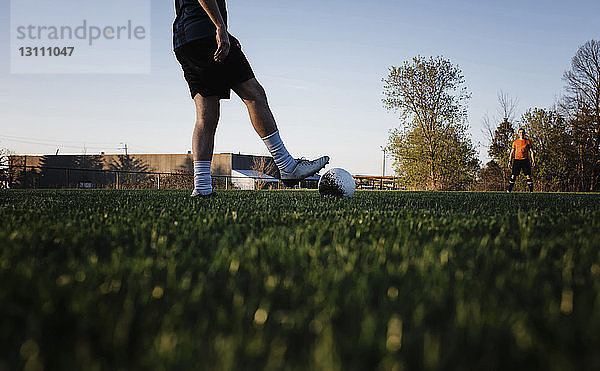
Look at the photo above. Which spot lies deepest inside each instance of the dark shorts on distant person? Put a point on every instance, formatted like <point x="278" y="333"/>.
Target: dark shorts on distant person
<point x="521" y="165"/>
<point x="207" y="77"/>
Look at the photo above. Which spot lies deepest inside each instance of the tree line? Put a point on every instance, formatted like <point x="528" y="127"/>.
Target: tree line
<point x="433" y="150"/>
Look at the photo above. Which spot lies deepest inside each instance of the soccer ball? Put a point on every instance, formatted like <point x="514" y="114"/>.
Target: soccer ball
<point x="337" y="182"/>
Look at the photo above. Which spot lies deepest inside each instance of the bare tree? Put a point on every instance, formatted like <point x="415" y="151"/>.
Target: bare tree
<point x="582" y="107"/>
<point x="263" y="167"/>
<point x="4" y="167"/>
<point x="583" y="80"/>
<point x="488" y="127"/>
<point x="507" y="112"/>
<point x="4" y="156"/>
<point x="508" y="106"/>
<point x="499" y="130"/>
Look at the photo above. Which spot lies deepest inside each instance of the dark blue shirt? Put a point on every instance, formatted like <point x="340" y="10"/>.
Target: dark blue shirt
<point x="192" y="22"/>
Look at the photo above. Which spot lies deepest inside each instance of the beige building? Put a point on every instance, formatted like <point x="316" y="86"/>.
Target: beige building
<point x="222" y="164"/>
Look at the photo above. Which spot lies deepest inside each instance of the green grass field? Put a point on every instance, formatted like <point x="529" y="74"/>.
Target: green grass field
<point x="290" y="280"/>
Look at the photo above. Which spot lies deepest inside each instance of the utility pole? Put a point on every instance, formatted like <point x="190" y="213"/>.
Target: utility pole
<point x="384" y="150"/>
<point x="383" y="171"/>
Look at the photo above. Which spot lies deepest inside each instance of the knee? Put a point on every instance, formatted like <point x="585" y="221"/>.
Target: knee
<point x="252" y="92"/>
<point x="256" y="97"/>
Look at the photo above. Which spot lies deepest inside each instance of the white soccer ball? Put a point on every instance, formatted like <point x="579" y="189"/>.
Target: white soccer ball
<point x="337" y="182"/>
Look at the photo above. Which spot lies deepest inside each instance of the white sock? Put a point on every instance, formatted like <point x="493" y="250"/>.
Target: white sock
<point x="202" y="179"/>
<point x="281" y="156"/>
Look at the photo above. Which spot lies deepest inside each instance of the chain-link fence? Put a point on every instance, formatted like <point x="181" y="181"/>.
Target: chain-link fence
<point x="61" y="177"/>
<point x="386" y="183"/>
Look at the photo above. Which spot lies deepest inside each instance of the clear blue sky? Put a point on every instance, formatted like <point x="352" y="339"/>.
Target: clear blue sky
<point x="321" y="63"/>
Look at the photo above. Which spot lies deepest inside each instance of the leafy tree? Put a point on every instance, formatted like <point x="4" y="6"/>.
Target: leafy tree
<point x="459" y="165"/>
<point x="72" y="171"/>
<point x="405" y="146"/>
<point x="456" y="158"/>
<point x="500" y="147"/>
<point x="91" y="162"/>
<point x="553" y="147"/>
<point x="52" y="171"/>
<point x="21" y="176"/>
<point x="95" y="162"/>
<point x="131" y="171"/>
<point x="582" y="107"/>
<point x="490" y="177"/>
<point x="129" y="163"/>
<point x="431" y="146"/>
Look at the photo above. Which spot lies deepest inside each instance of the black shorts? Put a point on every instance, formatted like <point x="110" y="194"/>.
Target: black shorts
<point x="207" y="77"/>
<point x="523" y="165"/>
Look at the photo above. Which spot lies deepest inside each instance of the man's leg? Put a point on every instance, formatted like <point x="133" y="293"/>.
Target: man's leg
<point x="203" y="142"/>
<point x="511" y="182"/>
<point x="516" y="170"/>
<point x="527" y="171"/>
<point x="255" y="98"/>
<point x="529" y="183"/>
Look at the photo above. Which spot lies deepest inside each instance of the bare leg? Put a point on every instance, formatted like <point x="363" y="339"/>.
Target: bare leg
<point x="255" y="98"/>
<point x="291" y="171"/>
<point x="207" y="118"/>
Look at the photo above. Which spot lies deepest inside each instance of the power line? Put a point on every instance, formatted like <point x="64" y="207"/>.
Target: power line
<point x="56" y="144"/>
<point x="54" y="141"/>
<point x="68" y="144"/>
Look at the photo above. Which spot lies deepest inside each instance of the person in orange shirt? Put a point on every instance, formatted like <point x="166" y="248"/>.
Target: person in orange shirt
<point x="524" y="160"/>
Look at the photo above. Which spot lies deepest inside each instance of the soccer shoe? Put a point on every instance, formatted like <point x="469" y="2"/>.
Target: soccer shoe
<point x="303" y="169"/>
<point x="199" y="195"/>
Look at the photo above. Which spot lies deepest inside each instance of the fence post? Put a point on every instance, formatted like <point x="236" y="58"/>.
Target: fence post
<point x="158" y="181"/>
<point x="10" y="172"/>
<point x="117" y="180"/>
